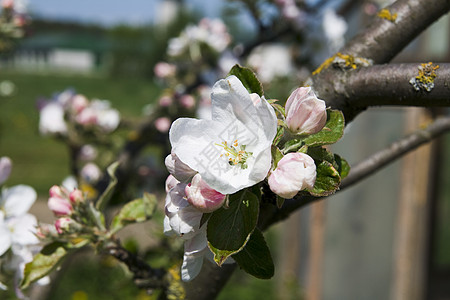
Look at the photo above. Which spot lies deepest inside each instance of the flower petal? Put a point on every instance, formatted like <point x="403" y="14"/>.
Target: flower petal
<point x="18" y="199"/>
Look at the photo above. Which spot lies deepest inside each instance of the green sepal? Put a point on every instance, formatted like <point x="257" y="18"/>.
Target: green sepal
<point x="255" y="257"/>
<point x="276" y="156"/>
<point x="43" y="263"/>
<point x="228" y="229"/>
<point x="248" y="79"/>
<point x="136" y="211"/>
<point x="106" y="195"/>
<point x="327" y="180"/>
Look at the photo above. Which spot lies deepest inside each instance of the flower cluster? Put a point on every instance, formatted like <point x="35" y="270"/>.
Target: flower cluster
<point x="12" y="22"/>
<point x="18" y="241"/>
<point x="68" y="109"/>
<point x="231" y="151"/>
<point x="212" y="33"/>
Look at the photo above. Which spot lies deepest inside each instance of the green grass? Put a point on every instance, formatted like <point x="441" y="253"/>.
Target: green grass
<point x="42" y="161"/>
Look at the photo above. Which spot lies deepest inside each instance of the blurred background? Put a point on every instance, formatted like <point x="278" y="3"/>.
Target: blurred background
<point x="385" y="238"/>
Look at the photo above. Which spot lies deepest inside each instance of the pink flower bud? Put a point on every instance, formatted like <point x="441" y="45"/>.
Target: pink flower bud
<point x="63" y="225"/>
<point x="187" y="101"/>
<point x="165" y="101"/>
<point x="202" y="196"/>
<point x="163" y="124"/>
<point x="295" y="172"/>
<point x="76" y="196"/>
<point x="305" y="113"/>
<point x="60" y="206"/>
<point x="163" y="70"/>
<point x="5" y="168"/>
<point x="58" y="192"/>
<point x="79" y="102"/>
<point x="178" y="169"/>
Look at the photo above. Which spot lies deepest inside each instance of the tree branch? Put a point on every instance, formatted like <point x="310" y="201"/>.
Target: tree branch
<point x="390" y="85"/>
<point x="384" y="39"/>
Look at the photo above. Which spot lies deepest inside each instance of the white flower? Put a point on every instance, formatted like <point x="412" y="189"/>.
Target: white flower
<point x="294" y="172"/>
<point x="91" y="173"/>
<point x="334" y="28"/>
<point x="16" y="225"/>
<point x="181" y="218"/>
<point x="178" y="169"/>
<point x="270" y="61"/>
<point x="51" y="119"/>
<point x="231" y="151"/>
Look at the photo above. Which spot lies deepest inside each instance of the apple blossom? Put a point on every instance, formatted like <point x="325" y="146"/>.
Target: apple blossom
<point x="203" y="197"/>
<point x="178" y="169"/>
<point x="181" y="218"/>
<point x="164" y="70"/>
<point x="59" y="202"/>
<point x="5" y="168"/>
<point x="91" y="173"/>
<point x="76" y="196"/>
<point x="162" y="124"/>
<point x="305" y="113"/>
<point x="65" y="225"/>
<point x="171" y="182"/>
<point x="51" y="119"/>
<point x="187" y="101"/>
<point x="294" y="172"/>
<point x="231" y="151"/>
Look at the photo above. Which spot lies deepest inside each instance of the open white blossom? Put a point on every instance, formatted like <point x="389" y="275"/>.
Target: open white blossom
<point x="51" y="119"/>
<point x="231" y="151"/>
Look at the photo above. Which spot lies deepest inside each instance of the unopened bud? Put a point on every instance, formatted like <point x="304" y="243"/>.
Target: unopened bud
<point x="305" y="113"/>
<point x="294" y="172"/>
<point x="66" y="225"/>
<point x="76" y="196"/>
<point x="202" y="196"/>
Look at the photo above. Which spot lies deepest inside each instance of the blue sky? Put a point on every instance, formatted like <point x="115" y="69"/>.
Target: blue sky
<point x="110" y="12"/>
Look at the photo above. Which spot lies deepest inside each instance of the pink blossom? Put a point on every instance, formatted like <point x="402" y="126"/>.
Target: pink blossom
<point x="76" y="196"/>
<point x="163" y="124"/>
<point x="59" y="202"/>
<point x="165" y="101"/>
<point x="164" y="70"/>
<point x="294" y="172"/>
<point x="202" y="196"/>
<point x="63" y="225"/>
<point x="187" y="101"/>
<point x="78" y="103"/>
<point x="305" y="113"/>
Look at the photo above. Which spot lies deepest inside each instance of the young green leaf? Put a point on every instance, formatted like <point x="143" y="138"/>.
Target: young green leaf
<point x="104" y="198"/>
<point x="136" y="211"/>
<point x="343" y="166"/>
<point x="43" y="263"/>
<point x="327" y="180"/>
<point x="248" y="79"/>
<point x="229" y="229"/>
<point x="331" y="133"/>
<point x="255" y="258"/>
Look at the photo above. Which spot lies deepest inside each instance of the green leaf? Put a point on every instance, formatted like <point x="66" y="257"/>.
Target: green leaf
<point x="327" y="180"/>
<point x="138" y="210"/>
<point x="205" y="218"/>
<point x="255" y="258"/>
<point x="229" y="228"/>
<point x="104" y="198"/>
<point x="293" y="145"/>
<point x="276" y="156"/>
<point x="43" y="263"/>
<point x="343" y="166"/>
<point x="220" y="256"/>
<point x="248" y="79"/>
<point x="331" y="133"/>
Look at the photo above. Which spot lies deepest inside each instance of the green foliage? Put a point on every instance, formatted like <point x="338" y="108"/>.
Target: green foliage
<point x="255" y="258"/>
<point x="43" y="263"/>
<point x="138" y="210"/>
<point x="248" y="79"/>
<point x="104" y="198"/>
<point x="327" y="180"/>
<point x="229" y="229"/>
<point x="331" y="133"/>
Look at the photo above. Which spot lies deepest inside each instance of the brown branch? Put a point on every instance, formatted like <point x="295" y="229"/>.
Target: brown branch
<point x="390" y="85"/>
<point x="384" y="39"/>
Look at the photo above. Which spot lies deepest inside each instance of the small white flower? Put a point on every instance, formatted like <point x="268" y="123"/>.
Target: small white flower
<point x="231" y="151"/>
<point x="51" y="119"/>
